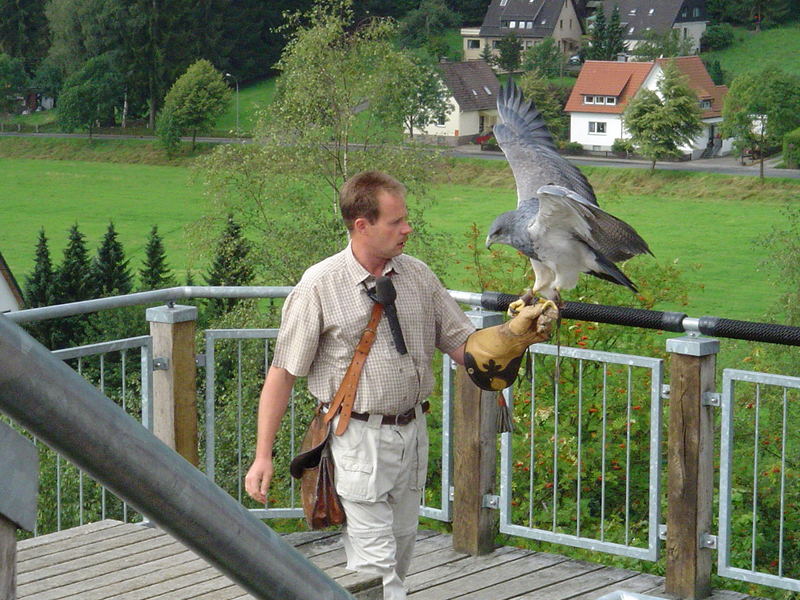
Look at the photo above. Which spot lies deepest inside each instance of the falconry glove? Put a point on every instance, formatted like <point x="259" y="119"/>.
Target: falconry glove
<point x="493" y="355"/>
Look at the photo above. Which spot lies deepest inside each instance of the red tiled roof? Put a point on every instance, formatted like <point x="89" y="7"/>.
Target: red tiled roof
<point x="607" y="78"/>
<point x="700" y="81"/>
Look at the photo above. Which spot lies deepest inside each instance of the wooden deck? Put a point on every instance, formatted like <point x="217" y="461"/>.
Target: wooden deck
<point x="110" y="559"/>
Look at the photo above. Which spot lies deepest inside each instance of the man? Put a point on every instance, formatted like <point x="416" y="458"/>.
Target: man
<point x="379" y="468"/>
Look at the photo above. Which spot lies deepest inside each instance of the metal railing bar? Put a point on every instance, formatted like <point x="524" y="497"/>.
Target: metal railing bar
<point x="629" y="392"/>
<point x="92" y="349"/>
<point x="603" y="456"/>
<point x="755" y="481"/>
<point x="76" y="420"/>
<point x="578" y="486"/>
<point x="783" y="482"/>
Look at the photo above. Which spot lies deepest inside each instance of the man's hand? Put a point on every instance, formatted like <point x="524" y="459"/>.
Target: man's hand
<point x="258" y="478"/>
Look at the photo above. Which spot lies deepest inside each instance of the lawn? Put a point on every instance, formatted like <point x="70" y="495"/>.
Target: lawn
<point x="778" y="47"/>
<point x="707" y="224"/>
<point x="252" y="99"/>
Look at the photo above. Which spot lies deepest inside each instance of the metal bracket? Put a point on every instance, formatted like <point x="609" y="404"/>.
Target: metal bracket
<point x="662" y="532"/>
<point x="711" y="399"/>
<point x="200" y="360"/>
<point x="665" y="391"/>
<point x="490" y="501"/>
<point x="708" y="541"/>
<point x="160" y="364"/>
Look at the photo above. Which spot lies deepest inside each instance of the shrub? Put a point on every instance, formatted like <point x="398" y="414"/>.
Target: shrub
<point x="791" y="149"/>
<point x="621" y="146"/>
<point x="717" y="37"/>
<point x="573" y="148"/>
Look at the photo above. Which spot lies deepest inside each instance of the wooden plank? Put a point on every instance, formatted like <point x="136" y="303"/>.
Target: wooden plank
<point x="46" y="541"/>
<point x="690" y="481"/>
<point x="637" y="584"/>
<point x="462" y="586"/>
<point x="67" y="550"/>
<point x="441" y="571"/>
<point x="528" y="582"/>
<point x="474" y="466"/>
<point x="588" y="582"/>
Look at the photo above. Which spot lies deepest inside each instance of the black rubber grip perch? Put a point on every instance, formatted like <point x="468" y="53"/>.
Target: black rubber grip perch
<point x="664" y="321"/>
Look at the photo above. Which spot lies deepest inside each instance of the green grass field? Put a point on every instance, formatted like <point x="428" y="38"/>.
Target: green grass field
<point x="778" y="47"/>
<point x="707" y="224"/>
<point x="252" y="99"/>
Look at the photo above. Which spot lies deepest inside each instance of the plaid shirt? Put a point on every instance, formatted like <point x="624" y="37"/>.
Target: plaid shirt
<point x="325" y="315"/>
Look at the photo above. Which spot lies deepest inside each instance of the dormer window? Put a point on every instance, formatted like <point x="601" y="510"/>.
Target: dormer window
<point x="503" y="2"/>
<point x="632" y="11"/>
<point x="588" y="99"/>
<point x="705" y="104"/>
<point x="488" y="91"/>
<point x="611" y="100"/>
<point x="631" y="30"/>
<point x="512" y="24"/>
<point x="474" y="93"/>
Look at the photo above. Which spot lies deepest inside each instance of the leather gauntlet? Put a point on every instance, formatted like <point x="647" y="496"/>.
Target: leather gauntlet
<point x="493" y="355"/>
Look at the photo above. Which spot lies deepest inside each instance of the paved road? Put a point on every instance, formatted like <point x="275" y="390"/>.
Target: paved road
<point x="725" y="165"/>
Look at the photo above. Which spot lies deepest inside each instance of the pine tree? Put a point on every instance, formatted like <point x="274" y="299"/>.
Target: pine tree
<point x="614" y="43"/>
<point x="110" y="273"/>
<point x="155" y="273"/>
<point x="73" y="283"/>
<point x="232" y="265"/>
<point x="598" y="36"/>
<point x="39" y="290"/>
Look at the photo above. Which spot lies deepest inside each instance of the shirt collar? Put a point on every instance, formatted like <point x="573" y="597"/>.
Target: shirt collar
<point x="358" y="273"/>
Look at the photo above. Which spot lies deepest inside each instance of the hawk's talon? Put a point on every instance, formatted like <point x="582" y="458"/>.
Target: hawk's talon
<point x="547" y="303"/>
<point x="515" y="307"/>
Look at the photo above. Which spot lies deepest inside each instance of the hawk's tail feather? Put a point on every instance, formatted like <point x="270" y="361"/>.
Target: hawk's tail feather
<point x="610" y="272"/>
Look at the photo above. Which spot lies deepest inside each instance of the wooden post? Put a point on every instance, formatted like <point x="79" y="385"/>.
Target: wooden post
<point x="174" y="392"/>
<point x="474" y="458"/>
<point x="690" y="456"/>
<point x="19" y="488"/>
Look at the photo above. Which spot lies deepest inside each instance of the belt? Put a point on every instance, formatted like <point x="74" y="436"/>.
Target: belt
<point x="401" y="419"/>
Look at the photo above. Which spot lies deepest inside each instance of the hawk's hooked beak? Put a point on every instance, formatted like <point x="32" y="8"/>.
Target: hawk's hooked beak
<point x="489" y="242"/>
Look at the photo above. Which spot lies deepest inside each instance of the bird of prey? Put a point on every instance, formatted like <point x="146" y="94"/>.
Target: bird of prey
<point x="557" y="223"/>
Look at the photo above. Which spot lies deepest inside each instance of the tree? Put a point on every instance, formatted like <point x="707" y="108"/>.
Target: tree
<point x="91" y="96"/>
<point x="509" y="54"/>
<point x="546" y="99"/>
<point x="663" y="121"/>
<point x="487" y="54"/>
<point x="597" y="37"/>
<point x="110" y="273"/>
<point x="198" y="98"/>
<point x="715" y="72"/>
<point x="760" y="108"/>
<point x="413" y="94"/>
<point x="614" y="42"/>
<point x="39" y="290"/>
<point x="232" y="264"/>
<point x="23" y="31"/>
<point x="544" y="57"/>
<point x="13" y="82"/>
<point x="662" y="45"/>
<point x="73" y="283"/>
<point x="329" y="109"/>
<point x="155" y="272"/>
<point x="425" y="26"/>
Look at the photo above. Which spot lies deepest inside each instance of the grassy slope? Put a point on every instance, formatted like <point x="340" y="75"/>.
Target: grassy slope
<point x="252" y="98"/>
<point x="706" y="223"/>
<point x="779" y="47"/>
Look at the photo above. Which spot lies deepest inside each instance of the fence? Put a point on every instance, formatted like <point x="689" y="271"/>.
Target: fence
<point x="584" y="467"/>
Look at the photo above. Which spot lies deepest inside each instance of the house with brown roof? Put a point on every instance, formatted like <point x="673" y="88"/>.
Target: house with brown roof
<point x="640" y="16"/>
<point x="530" y="20"/>
<point x="10" y="292"/>
<point x="604" y="89"/>
<point x="473" y="88"/>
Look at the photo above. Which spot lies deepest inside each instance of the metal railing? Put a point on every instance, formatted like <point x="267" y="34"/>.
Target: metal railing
<point x="610" y="412"/>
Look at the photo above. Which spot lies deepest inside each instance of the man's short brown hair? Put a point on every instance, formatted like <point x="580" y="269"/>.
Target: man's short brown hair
<point x="359" y="195"/>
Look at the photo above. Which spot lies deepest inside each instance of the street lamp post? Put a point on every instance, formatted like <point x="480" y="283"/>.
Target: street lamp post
<point x="236" y="81"/>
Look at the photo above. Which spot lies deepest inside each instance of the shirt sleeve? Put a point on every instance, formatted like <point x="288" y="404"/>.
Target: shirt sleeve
<point x="453" y="326"/>
<point x="301" y="326"/>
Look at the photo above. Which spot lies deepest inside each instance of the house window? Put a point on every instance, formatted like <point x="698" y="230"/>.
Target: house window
<point x="487" y="90"/>
<point x="632" y="11"/>
<point x="474" y="44"/>
<point x="696" y="11"/>
<point x="440" y="120"/>
<point x="529" y="24"/>
<point x="651" y="11"/>
<point x="684" y="11"/>
<point x="503" y="2"/>
<point x="597" y="126"/>
<point x="494" y="44"/>
<point x="631" y="29"/>
<point x="611" y="100"/>
<point x="513" y="24"/>
<point x="588" y="99"/>
<point x="561" y="24"/>
<point x="705" y="103"/>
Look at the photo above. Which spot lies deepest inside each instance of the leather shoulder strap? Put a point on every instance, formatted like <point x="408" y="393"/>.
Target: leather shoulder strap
<point x="345" y="396"/>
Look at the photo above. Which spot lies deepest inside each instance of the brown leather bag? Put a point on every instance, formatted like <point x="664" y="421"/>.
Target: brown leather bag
<point x="314" y="468"/>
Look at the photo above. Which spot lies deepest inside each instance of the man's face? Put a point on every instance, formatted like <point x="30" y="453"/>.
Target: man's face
<point x="386" y="237"/>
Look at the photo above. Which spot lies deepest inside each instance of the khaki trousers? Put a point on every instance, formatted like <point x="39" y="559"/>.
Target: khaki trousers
<point x="380" y="473"/>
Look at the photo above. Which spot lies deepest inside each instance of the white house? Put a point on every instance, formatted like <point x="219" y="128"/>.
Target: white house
<point x="604" y="88"/>
<point x="530" y="21"/>
<point x="473" y="88"/>
<point x="10" y="292"/>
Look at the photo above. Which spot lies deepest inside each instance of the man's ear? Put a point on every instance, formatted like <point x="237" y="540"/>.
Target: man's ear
<point x="360" y="224"/>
